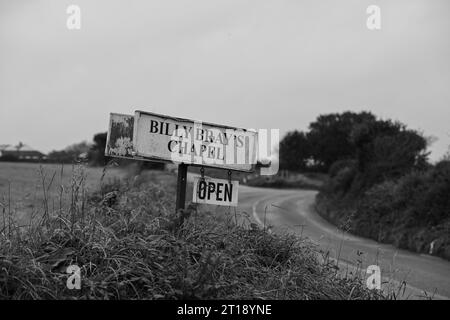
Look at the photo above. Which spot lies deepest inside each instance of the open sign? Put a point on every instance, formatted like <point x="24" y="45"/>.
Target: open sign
<point x="215" y="191"/>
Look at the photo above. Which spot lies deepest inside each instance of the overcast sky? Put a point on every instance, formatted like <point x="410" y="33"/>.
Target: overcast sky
<point x="256" y="64"/>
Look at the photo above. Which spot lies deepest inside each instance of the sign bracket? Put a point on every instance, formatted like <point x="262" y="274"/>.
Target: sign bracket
<point x="202" y="173"/>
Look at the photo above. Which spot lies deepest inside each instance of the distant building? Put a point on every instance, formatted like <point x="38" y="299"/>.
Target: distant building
<point x="20" y="152"/>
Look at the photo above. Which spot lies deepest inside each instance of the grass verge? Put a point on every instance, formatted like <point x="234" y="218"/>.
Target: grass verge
<point x="129" y="244"/>
<point x="277" y="182"/>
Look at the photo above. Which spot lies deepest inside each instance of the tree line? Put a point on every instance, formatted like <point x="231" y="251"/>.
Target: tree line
<point x="380" y="181"/>
<point x="350" y="136"/>
<point x="91" y="153"/>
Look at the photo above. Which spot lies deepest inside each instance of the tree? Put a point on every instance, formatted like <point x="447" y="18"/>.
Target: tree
<point x="294" y="151"/>
<point x="446" y="156"/>
<point x="371" y="149"/>
<point x="78" y="148"/>
<point x="70" y="153"/>
<point x="389" y="145"/>
<point x="386" y="150"/>
<point x="329" y="137"/>
<point x="97" y="153"/>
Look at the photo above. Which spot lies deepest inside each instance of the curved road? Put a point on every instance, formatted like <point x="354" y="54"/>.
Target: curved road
<point x="293" y="211"/>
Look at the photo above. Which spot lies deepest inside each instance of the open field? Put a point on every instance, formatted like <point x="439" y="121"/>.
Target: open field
<point x="22" y="185"/>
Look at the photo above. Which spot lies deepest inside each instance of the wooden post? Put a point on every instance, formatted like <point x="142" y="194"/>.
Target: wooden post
<point x="181" y="186"/>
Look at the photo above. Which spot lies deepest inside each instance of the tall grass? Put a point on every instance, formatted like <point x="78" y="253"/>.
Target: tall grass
<point x="130" y="244"/>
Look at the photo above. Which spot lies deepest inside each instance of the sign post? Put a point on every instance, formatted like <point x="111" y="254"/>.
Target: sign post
<point x="181" y="186"/>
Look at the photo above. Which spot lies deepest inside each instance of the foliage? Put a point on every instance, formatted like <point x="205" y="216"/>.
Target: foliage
<point x="376" y="145"/>
<point x="294" y="151"/>
<point x="387" y="189"/>
<point x="329" y="136"/>
<point x="129" y="245"/>
<point x="411" y="212"/>
<point x="277" y="182"/>
<point x="389" y="147"/>
<point x="9" y="158"/>
<point x="97" y="153"/>
<point x="70" y="154"/>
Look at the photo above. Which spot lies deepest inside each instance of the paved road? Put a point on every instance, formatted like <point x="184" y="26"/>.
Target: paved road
<point x="293" y="211"/>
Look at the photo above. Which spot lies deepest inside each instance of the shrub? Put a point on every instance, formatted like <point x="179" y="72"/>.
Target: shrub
<point x="410" y="212"/>
<point x="343" y="180"/>
<point x="339" y="165"/>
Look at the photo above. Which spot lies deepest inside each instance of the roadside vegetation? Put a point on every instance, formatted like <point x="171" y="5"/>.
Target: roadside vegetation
<point x="411" y="212"/>
<point x="130" y="244"/>
<point x="290" y="181"/>
<point x="381" y="184"/>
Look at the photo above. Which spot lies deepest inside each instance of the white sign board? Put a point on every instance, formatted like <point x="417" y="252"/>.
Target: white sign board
<point x="164" y="138"/>
<point x="215" y="191"/>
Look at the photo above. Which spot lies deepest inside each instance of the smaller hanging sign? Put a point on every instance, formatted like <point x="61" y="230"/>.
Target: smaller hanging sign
<point x="215" y="191"/>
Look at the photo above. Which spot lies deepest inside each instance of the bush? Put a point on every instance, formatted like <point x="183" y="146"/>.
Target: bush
<point x="301" y="182"/>
<point x="9" y="158"/>
<point x="341" y="164"/>
<point x="411" y="212"/>
<point x="342" y="181"/>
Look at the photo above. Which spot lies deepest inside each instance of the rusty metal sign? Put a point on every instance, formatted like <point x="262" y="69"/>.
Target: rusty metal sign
<point x="119" y="142"/>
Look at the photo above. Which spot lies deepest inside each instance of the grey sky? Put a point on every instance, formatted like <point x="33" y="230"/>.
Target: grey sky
<point x="256" y="64"/>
